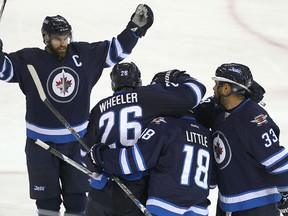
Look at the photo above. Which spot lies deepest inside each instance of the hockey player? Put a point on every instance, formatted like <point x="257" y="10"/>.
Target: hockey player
<point x="119" y="120"/>
<point x="252" y="165"/>
<point x="67" y="71"/>
<point x="178" y="152"/>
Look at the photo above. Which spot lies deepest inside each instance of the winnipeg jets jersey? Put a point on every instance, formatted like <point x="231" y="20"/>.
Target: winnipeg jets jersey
<point x="178" y="152"/>
<point x="67" y="83"/>
<point x="119" y="120"/>
<point x="252" y="165"/>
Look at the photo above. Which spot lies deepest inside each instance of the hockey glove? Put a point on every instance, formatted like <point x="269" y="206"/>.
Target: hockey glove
<point x="141" y="20"/>
<point x="283" y="204"/>
<point x="257" y="92"/>
<point x="94" y="155"/>
<point x="175" y="76"/>
<point x="1" y="45"/>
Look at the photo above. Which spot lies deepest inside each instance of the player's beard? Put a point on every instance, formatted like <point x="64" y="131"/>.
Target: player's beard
<point x="60" y="52"/>
<point x="218" y="99"/>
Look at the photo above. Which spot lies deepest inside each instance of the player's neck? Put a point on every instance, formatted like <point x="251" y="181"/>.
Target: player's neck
<point x="233" y="101"/>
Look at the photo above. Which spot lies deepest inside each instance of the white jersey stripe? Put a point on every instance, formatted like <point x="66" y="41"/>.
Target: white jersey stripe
<point x="281" y="169"/>
<point x="197" y="90"/>
<point x="176" y="209"/>
<point x="119" y="51"/>
<point x="54" y="131"/>
<point x="124" y="162"/>
<point x="275" y="158"/>
<point x="139" y="161"/>
<point x="248" y="196"/>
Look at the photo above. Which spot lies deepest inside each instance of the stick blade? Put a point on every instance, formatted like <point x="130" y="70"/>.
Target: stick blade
<point x="37" y="81"/>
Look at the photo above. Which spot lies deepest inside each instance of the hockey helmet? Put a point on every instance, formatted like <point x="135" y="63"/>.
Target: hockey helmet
<point x="55" y="25"/>
<point x="125" y="75"/>
<point x="238" y="75"/>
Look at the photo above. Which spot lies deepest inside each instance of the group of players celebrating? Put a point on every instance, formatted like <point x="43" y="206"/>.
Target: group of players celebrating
<point x="166" y="143"/>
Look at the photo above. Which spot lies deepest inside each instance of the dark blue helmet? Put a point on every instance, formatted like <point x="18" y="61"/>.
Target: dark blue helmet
<point x="238" y="75"/>
<point x="55" y="25"/>
<point x="125" y="75"/>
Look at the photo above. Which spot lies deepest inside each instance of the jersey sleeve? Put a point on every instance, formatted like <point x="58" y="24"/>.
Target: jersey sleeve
<point x="140" y="157"/>
<point x="114" y="50"/>
<point x="90" y="135"/>
<point x="206" y="111"/>
<point x="265" y="146"/>
<point x="173" y="99"/>
<point x="6" y="68"/>
<point x="197" y="88"/>
<point x="14" y="68"/>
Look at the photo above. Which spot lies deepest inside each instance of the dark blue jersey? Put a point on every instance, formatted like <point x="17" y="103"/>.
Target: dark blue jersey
<point x="177" y="151"/>
<point x="67" y="83"/>
<point x="119" y="120"/>
<point x="252" y="165"/>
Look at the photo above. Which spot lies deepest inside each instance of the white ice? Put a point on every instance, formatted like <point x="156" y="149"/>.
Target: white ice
<point x="196" y="36"/>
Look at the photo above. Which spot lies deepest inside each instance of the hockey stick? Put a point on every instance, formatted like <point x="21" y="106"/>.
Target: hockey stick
<point x="43" y="97"/>
<point x="64" y="157"/>
<point x="86" y="171"/>
<point x="2" y="9"/>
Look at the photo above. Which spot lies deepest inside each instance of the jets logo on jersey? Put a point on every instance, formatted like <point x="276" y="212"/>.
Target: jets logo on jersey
<point x="62" y="84"/>
<point x="260" y="119"/>
<point x="158" y="120"/>
<point x="222" y="150"/>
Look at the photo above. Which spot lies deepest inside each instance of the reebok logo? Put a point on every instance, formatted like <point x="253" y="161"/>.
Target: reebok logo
<point x="134" y="29"/>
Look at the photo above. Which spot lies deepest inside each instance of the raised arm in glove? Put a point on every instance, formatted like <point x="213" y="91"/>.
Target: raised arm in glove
<point x="141" y="20"/>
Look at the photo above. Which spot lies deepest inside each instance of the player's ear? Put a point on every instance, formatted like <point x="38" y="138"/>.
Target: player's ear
<point x="226" y="88"/>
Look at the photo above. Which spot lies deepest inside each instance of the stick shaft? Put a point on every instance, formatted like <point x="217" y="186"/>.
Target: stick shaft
<point x="63" y="157"/>
<point x="2" y="8"/>
<point x="88" y="172"/>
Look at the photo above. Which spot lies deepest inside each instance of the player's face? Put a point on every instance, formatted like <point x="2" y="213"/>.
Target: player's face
<point x="218" y="92"/>
<point x="59" y="44"/>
